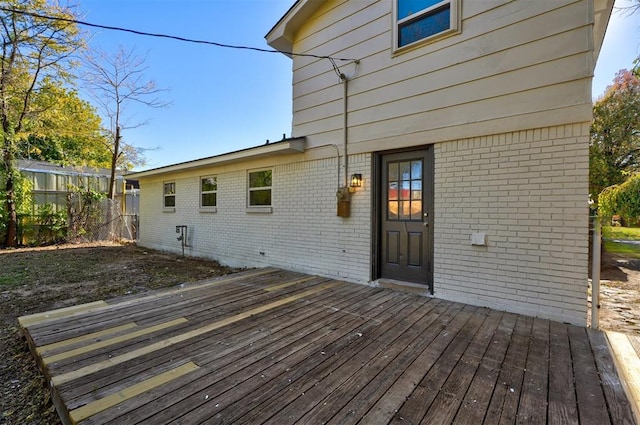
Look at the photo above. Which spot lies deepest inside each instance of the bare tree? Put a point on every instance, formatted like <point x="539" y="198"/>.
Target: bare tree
<point x="630" y="9"/>
<point x="38" y="40"/>
<point x="116" y="81"/>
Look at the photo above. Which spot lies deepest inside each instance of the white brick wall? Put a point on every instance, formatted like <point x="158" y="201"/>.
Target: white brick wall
<point x="528" y="192"/>
<point x="302" y="233"/>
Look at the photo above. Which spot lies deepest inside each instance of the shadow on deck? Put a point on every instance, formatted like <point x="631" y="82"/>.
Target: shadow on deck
<point x="278" y="347"/>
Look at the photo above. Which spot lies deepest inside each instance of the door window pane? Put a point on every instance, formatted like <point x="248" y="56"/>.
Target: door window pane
<point x="405" y="193"/>
<point x="416" y="169"/>
<point x="407" y="189"/>
<point x="392" y="211"/>
<point x="393" y="191"/>
<point x="393" y="171"/>
<point x="416" y="189"/>
<point x="405" y="211"/>
<point x="405" y="170"/>
<point x="416" y="210"/>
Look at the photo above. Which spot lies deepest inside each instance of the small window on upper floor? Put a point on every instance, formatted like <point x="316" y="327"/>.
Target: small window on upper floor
<point x="419" y="20"/>
<point x="209" y="192"/>
<point x="169" y="195"/>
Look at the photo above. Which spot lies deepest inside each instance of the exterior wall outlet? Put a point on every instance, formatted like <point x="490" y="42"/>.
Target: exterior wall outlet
<point x="479" y="239"/>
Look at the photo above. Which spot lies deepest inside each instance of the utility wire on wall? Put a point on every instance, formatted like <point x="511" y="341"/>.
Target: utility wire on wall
<point x="174" y="37"/>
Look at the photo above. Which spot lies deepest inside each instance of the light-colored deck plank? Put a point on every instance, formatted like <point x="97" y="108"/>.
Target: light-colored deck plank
<point x="627" y="362"/>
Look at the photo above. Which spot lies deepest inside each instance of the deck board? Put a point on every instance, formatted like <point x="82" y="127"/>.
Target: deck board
<point x="456" y="339"/>
<point x="270" y="346"/>
<point x="532" y="408"/>
<point x="229" y="345"/>
<point x="451" y="395"/>
<point x="592" y="407"/>
<point x="476" y="402"/>
<point x="618" y="405"/>
<point x="503" y="407"/>
<point x="562" y="394"/>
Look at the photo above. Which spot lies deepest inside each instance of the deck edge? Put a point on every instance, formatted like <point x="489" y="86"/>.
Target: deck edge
<point x="627" y="364"/>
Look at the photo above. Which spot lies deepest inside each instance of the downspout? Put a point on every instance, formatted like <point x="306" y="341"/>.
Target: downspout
<point x="338" y="157"/>
<point x="343" y="194"/>
<point x="345" y="126"/>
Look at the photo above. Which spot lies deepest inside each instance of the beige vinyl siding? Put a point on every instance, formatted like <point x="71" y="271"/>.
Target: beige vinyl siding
<point x="526" y="60"/>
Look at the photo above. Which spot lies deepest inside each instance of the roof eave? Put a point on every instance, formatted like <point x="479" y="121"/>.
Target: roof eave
<point x="284" y="147"/>
<point x="602" y="14"/>
<point x="281" y="35"/>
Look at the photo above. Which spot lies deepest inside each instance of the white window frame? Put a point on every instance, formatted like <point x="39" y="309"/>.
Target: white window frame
<point x="165" y="195"/>
<point x="259" y="208"/>
<point x="209" y="208"/>
<point x="454" y="24"/>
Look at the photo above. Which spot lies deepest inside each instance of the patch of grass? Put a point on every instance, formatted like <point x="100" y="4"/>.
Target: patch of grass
<point x="12" y="279"/>
<point x="628" y="250"/>
<point x="623" y="233"/>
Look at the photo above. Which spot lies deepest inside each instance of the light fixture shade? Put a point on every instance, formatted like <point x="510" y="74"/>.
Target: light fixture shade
<point x="356" y="180"/>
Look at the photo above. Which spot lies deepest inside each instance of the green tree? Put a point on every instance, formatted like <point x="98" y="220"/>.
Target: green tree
<point x="614" y="149"/>
<point x="68" y="131"/>
<point x="36" y="51"/>
<point x="622" y="199"/>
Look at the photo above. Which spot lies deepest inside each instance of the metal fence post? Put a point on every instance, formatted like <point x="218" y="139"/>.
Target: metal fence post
<point x="595" y="274"/>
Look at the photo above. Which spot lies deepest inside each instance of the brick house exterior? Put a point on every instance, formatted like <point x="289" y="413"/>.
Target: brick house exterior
<point x="471" y="140"/>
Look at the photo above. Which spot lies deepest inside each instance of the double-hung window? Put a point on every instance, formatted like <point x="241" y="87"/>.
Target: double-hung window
<point x="209" y="192"/>
<point x="418" y="20"/>
<point x="260" y="188"/>
<point x="169" y="195"/>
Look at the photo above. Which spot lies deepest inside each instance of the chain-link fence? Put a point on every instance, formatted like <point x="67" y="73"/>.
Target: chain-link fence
<point x="86" y="219"/>
<point x="93" y="220"/>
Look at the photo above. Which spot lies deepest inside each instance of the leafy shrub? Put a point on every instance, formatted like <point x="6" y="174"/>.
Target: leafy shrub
<point x="622" y="199"/>
<point x="46" y="227"/>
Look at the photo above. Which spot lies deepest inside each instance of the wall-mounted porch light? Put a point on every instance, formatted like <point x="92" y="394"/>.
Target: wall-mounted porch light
<point x="355" y="182"/>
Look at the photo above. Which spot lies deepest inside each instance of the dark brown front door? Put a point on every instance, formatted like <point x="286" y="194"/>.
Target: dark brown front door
<point x="406" y="216"/>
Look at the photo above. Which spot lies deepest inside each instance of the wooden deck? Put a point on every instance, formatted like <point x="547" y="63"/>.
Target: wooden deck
<point x="275" y="347"/>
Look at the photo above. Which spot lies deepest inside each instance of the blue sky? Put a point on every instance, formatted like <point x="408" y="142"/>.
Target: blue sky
<point x="221" y="99"/>
<point x="224" y="100"/>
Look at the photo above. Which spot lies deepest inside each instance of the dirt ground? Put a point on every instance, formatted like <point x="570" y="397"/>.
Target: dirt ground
<point x="619" y="294"/>
<point x="60" y="276"/>
<point x="42" y="279"/>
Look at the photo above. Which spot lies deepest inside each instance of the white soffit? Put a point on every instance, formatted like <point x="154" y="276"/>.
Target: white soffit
<point x="602" y="14"/>
<point x="281" y="35"/>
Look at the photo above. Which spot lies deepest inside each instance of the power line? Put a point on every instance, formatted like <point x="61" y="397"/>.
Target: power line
<point x="171" y="37"/>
